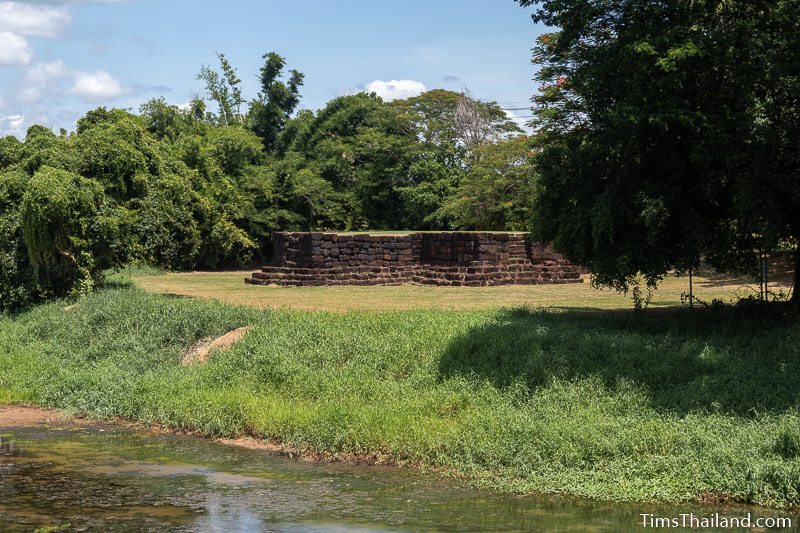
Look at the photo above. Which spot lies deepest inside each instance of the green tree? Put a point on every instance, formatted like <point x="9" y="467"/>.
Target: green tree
<point x="444" y="118"/>
<point x="276" y="101"/>
<point x="305" y="200"/>
<point x="42" y="147"/>
<point x="225" y="90"/>
<point x="165" y="224"/>
<point x="115" y="148"/>
<point x="446" y="144"/>
<point x="169" y="122"/>
<point x="18" y="284"/>
<point x="363" y="149"/>
<point x="439" y="162"/>
<point x="72" y="231"/>
<point x="766" y="181"/>
<point x="230" y="151"/>
<point x="640" y="118"/>
<point x="498" y="190"/>
<point x="10" y="151"/>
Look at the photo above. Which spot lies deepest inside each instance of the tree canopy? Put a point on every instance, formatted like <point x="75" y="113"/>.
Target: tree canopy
<point x="662" y="132"/>
<point x="200" y="187"/>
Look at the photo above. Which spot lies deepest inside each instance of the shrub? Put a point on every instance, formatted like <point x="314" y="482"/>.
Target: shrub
<point x="231" y="150"/>
<point x="787" y="439"/>
<point x="165" y="226"/>
<point x="18" y="286"/>
<point x="10" y="151"/>
<point x="71" y="230"/>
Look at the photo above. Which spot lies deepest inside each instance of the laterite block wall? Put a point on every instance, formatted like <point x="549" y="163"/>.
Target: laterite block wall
<point x="468" y="259"/>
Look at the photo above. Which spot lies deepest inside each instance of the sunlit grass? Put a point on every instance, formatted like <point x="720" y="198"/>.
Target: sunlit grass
<point x="607" y="404"/>
<point x="229" y="287"/>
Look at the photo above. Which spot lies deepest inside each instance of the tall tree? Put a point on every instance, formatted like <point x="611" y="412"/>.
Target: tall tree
<point x="362" y="149"/>
<point x="497" y="190"/>
<point x="479" y="123"/>
<point x="276" y="101"/>
<point x="768" y="186"/>
<point x="224" y="89"/>
<point x="645" y="120"/>
<point x="449" y="138"/>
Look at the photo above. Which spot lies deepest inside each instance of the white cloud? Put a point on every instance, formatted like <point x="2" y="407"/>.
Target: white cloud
<point x="12" y="125"/>
<point x="55" y="79"/>
<point x="43" y="78"/>
<point x="14" y="49"/>
<point x="521" y="122"/>
<point x="37" y="21"/>
<point x="43" y="84"/>
<point x="42" y="73"/>
<point x="97" y="86"/>
<point x="396" y="89"/>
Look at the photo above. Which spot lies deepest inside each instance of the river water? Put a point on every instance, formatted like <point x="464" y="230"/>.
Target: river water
<point x="116" y="479"/>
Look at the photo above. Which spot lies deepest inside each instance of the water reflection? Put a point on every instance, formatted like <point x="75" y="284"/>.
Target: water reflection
<point x="118" y="480"/>
<point x="8" y="448"/>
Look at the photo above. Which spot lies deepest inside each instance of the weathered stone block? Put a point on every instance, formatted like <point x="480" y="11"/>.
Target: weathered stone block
<point x="452" y="259"/>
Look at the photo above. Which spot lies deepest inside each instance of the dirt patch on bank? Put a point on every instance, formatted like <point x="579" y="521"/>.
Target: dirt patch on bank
<point x="313" y="456"/>
<point x="198" y="353"/>
<point x="14" y="416"/>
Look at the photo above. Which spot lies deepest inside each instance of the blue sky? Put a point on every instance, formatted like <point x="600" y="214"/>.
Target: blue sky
<point x="59" y="59"/>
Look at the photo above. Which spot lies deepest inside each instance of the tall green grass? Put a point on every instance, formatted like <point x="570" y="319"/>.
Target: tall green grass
<point x="610" y="405"/>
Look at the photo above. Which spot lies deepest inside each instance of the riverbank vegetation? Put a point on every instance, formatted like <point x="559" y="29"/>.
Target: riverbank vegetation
<point x="669" y="405"/>
<point x="683" y="159"/>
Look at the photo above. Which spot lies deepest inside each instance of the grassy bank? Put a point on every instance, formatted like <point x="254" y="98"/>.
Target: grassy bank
<point x="670" y="406"/>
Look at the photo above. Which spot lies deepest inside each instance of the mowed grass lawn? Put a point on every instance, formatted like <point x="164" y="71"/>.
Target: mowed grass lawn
<point x="229" y="287"/>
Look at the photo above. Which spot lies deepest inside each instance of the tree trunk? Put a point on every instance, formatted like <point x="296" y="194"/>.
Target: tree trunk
<point x="796" y="285"/>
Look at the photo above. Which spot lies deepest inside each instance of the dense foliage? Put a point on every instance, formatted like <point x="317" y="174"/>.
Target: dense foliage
<point x="188" y="188"/>
<point x="668" y="133"/>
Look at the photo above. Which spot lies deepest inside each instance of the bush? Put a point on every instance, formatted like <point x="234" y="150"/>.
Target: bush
<point x="10" y="151"/>
<point x="787" y="439"/>
<point x="165" y="227"/>
<point x="18" y="286"/>
<point x="71" y="230"/>
<point x="231" y="150"/>
<point x="227" y="243"/>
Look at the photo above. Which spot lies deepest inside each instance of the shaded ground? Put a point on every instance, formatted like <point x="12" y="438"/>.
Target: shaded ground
<point x="732" y="361"/>
<point x="229" y="287"/>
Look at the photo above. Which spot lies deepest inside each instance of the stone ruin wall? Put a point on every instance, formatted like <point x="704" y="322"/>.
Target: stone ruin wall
<point x="469" y="259"/>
